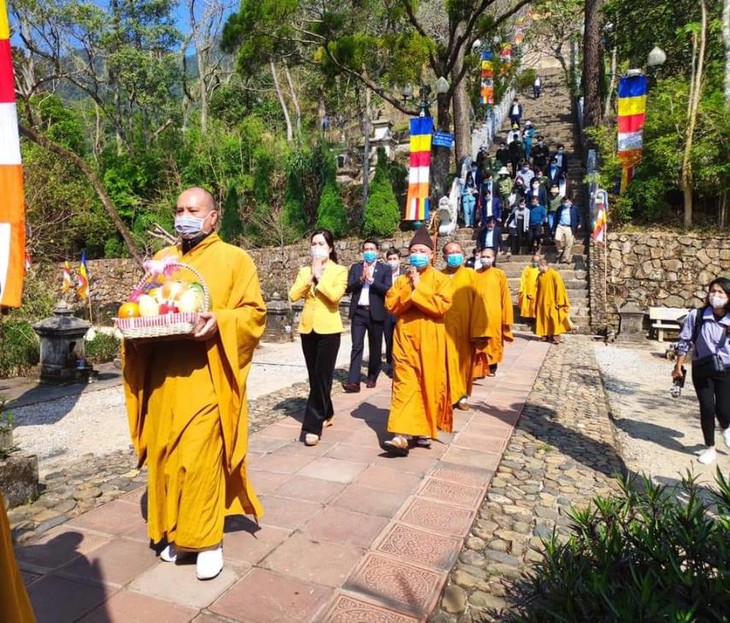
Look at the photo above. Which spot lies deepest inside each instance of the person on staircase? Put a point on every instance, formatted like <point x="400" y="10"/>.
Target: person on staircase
<point x="565" y="228"/>
<point x="537" y="190"/>
<point x="469" y="192"/>
<point x="526" y="173"/>
<point x="552" y="305"/>
<point x="519" y="223"/>
<point x="555" y="174"/>
<point x="502" y="155"/>
<point x="553" y="203"/>
<point x="528" y="137"/>
<point x="515" y="134"/>
<point x="538" y="219"/>
<point x="562" y="159"/>
<point x="504" y="185"/>
<point x="516" y="155"/>
<point x="490" y="236"/>
<point x="540" y="154"/>
<point x="515" y="112"/>
<point x="392" y="258"/>
<point x="526" y="298"/>
<point x="537" y="87"/>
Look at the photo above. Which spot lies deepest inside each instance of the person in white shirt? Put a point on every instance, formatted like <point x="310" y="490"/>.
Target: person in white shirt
<point x="392" y="257"/>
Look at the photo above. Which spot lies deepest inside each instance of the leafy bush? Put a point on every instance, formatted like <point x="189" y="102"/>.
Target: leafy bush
<point x="19" y="347"/>
<point x="526" y="79"/>
<point x="231" y="224"/>
<point x="649" y="554"/>
<point x="102" y="348"/>
<point x="382" y="213"/>
<point x="331" y="213"/>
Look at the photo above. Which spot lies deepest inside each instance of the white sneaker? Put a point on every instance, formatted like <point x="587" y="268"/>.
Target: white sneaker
<point x="726" y="436"/>
<point x="708" y="456"/>
<point x="209" y="563"/>
<point x="169" y="554"/>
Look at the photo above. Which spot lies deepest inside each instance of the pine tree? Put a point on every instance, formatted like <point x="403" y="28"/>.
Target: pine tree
<point x="331" y="213"/>
<point x="231" y="224"/>
<point x="382" y="214"/>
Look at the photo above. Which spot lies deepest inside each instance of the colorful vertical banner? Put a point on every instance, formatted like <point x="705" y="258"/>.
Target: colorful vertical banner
<point x="519" y="33"/>
<point x="418" y="203"/>
<point x="505" y="57"/>
<point x="599" y="226"/>
<point x="487" y="76"/>
<point x="631" y="117"/>
<point x="82" y="289"/>
<point x="12" y="207"/>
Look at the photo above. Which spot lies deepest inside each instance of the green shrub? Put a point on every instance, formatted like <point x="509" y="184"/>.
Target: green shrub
<point x="526" y="79"/>
<point x="102" y="348"/>
<point x="331" y="213"/>
<point x="231" y="224"/>
<point x="382" y="213"/>
<point x="651" y="553"/>
<point x="19" y="347"/>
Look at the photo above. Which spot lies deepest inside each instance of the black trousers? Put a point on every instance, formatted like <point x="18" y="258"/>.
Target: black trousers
<point x="388" y="329"/>
<point x="518" y="240"/>
<point x="534" y="237"/>
<point x="362" y="322"/>
<point x="320" y="353"/>
<point x="713" y="393"/>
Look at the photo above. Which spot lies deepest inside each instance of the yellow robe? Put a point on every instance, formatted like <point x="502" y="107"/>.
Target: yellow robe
<point x="528" y="291"/>
<point x="492" y="287"/>
<point x="552" y="304"/>
<point x="465" y="321"/>
<point x="420" y="402"/>
<point x="187" y="406"/>
<point x="14" y="602"/>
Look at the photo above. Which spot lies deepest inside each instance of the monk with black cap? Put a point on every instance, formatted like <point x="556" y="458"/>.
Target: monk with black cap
<point x="420" y="403"/>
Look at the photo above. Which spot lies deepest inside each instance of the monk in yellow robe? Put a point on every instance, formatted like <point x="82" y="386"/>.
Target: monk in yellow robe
<point x="466" y="325"/>
<point x="420" y="402"/>
<point x="493" y="289"/>
<point x="552" y="305"/>
<point x="186" y="397"/>
<point x="14" y="602"/>
<point x="528" y="288"/>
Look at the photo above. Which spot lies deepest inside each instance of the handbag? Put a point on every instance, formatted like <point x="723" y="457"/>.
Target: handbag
<point x="712" y="364"/>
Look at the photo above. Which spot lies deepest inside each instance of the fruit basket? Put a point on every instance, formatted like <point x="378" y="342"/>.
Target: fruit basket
<point x="163" y="306"/>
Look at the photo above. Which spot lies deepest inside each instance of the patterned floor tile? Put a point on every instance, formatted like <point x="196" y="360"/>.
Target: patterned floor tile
<point x="451" y="493"/>
<point x="462" y="475"/>
<point x="407" y="543"/>
<point x="438" y="518"/>
<point x="396" y="583"/>
<point x="347" y="609"/>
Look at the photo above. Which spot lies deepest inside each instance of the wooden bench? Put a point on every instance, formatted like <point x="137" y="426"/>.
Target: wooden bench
<point x="666" y="318"/>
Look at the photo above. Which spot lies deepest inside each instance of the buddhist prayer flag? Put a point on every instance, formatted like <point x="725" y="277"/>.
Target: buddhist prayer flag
<point x="12" y="208"/>
<point x="599" y="226"/>
<point x="487" y="83"/>
<point x="631" y="117"/>
<point x="83" y="287"/>
<point x="418" y="202"/>
<point x="505" y="57"/>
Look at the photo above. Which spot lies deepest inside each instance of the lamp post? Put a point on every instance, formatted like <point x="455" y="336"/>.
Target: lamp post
<point x="654" y="60"/>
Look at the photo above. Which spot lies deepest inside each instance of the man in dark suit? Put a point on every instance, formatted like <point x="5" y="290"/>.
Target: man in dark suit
<point x="554" y="173"/>
<point x="490" y="236"/>
<point x="561" y="158"/>
<point x="394" y="271"/>
<point x="540" y="154"/>
<point x="367" y="283"/>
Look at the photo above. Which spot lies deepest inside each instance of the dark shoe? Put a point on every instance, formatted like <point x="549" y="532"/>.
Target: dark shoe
<point x="398" y="446"/>
<point x="370" y="384"/>
<point x="351" y="388"/>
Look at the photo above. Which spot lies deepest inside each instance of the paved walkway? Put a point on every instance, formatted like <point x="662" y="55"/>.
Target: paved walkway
<point x="348" y="534"/>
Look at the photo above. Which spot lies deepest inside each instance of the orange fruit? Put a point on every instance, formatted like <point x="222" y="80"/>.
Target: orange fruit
<point x="128" y="310"/>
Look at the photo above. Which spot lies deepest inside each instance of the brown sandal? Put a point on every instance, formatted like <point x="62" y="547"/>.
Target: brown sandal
<point x="398" y="446"/>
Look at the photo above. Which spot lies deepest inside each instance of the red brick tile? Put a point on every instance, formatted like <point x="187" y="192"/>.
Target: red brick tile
<point x="250" y="544"/>
<point x="343" y="526"/>
<point x="452" y="493"/>
<point x="286" y="512"/>
<point x="117" y="563"/>
<point x="370" y="501"/>
<point x="57" y="547"/>
<point x="115" y="517"/>
<point x="437" y="518"/>
<point x="135" y="496"/>
<point x="137" y="533"/>
<point x="283" y="464"/>
<point x="349" y="609"/>
<point x="335" y="470"/>
<point x="266" y="482"/>
<point x="298" y="448"/>
<point x="128" y="607"/>
<point x="367" y="438"/>
<point x="423" y="548"/>
<point x="57" y="599"/>
<point x="263" y="596"/>
<point x="311" y="489"/>
<point x="414" y="463"/>
<point x="259" y="444"/>
<point x="319" y="562"/>
<point x="485" y="443"/>
<point x="388" y="479"/>
<point x="393" y="582"/>
<point x="279" y="431"/>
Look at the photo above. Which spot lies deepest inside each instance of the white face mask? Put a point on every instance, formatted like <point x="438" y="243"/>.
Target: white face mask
<point x="717" y="300"/>
<point x="487" y="262"/>
<point x="394" y="264"/>
<point x="320" y="253"/>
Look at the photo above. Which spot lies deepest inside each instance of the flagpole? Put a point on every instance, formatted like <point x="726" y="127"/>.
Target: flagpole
<point x="88" y="299"/>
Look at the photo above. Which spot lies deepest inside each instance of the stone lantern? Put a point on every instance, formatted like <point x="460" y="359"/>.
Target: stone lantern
<point x="632" y="323"/>
<point x="62" y="346"/>
<point x="278" y="320"/>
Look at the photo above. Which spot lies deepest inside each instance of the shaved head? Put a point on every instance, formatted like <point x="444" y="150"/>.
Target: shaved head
<point x="198" y="197"/>
<point x="487" y="252"/>
<point x="452" y="247"/>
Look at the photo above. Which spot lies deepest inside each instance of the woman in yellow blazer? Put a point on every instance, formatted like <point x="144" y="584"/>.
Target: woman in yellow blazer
<point x="321" y="285"/>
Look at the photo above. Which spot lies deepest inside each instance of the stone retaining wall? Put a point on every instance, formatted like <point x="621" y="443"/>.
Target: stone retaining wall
<point x="653" y="269"/>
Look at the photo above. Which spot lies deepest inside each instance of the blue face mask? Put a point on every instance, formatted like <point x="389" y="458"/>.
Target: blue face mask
<point x="419" y="260"/>
<point x="454" y="260"/>
<point x="369" y="256"/>
<point x="189" y="226"/>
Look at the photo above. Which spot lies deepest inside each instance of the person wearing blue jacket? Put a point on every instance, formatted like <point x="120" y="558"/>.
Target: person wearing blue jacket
<point x="565" y="227"/>
<point x="538" y="218"/>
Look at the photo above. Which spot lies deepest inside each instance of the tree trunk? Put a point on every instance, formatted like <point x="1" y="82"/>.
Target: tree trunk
<point x="94" y="180"/>
<point x="366" y="124"/>
<point x="440" y="156"/>
<point x="592" y="63"/>
<point x="203" y="87"/>
<point x="695" y="91"/>
<point x="462" y="107"/>
<point x="722" y="211"/>
<point x="611" y="84"/>
<point x="282" y="102"/>
<point x="726" y="39"/>
<point x="294" y="100"/>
